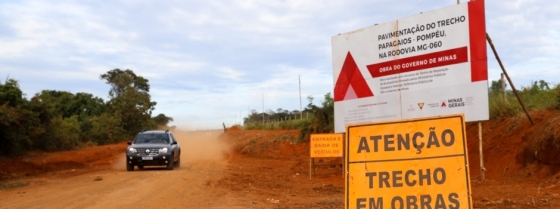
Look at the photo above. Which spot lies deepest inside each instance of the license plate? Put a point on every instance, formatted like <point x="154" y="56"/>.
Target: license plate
<point x="147" y="158"/>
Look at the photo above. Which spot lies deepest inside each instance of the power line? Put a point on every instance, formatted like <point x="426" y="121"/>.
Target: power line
<point x="300" y="112"/>
<point x="415" y="7"/>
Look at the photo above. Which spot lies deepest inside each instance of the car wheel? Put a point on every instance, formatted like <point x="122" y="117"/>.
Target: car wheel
<point x="129" y="167"/>
<point x="170" y="164"/>
<point x="178" y="162"/>
<point x="141" y="167"/>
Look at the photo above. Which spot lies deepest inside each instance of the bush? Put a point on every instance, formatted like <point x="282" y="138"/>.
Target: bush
<point x="65" y="133"/>
<point x="321" y="120"/>
<point x="106" y="129"/>
<point x="58" y="120"/>
<point x="535" y="97"/>
<point x="558" y="96"/>
<point x="281" y="125"/>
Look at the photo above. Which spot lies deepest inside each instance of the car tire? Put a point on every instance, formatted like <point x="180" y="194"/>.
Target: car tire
<point x="178" y="162"/>
<point x="171" y="164"/>
<point x="129" y="167"/>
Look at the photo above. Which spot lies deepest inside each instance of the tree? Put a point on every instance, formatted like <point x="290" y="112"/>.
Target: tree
<point x="106" y="129"/>
<point x="121" y="81"/>
<point x="85" y="104"/>
<point x="130" y="99"/>
<point x="328" y="103"/>
<point x="67" y="104"/>
<point x="10" y="94"/>
<point x="558" y="96"/>
<point x="16" y="121"/>
<point x="162" y="120"/>
<point x="322" y="120"/>
<point x="310" y="100"/>
<point x="496" y="86"/>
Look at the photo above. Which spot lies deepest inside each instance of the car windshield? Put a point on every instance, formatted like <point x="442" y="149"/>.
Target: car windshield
<point x="151" y="138"/>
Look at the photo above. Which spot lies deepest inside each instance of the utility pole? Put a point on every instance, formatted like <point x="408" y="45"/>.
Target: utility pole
<point x="300" y="112"/>
<point x="263" y="106"/>
<point x="503" y="81"/>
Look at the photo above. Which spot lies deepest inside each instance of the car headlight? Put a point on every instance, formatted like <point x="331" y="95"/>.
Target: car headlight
<point x="163" y="150"/>
<point x="132" y="150"/>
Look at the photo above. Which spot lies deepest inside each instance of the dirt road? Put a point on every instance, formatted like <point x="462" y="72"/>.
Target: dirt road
<point x="120" y="189"/>
<point x="211" y="176"/>
<point x="184" y="187"/>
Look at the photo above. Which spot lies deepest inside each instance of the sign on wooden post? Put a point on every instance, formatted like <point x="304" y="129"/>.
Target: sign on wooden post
<point x="416" y="163"/>
<point x="324" y="146"/>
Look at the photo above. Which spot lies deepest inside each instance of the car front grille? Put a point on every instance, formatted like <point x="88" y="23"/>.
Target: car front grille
<point x="153" y="151"/>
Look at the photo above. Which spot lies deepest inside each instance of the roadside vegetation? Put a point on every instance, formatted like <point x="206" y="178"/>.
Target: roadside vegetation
<point x="314" y="119"/>
<point x="537" y="96"/>
<point x="53" y="120"/>
<point x="320" y="119"/>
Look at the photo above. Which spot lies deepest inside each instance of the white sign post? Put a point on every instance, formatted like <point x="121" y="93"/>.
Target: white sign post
<point x="425" y="65"/>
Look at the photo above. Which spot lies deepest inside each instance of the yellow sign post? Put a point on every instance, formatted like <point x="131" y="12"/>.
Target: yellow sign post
<point x="325" y="145"/>
<point x="417" y="163"/>
<point x="322" y="146"/>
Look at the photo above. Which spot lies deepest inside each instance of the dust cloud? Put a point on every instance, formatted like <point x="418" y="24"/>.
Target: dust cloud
<point x="120" y="164"/>
<point x="196" y="147"/>
<point x="201" y="146"/>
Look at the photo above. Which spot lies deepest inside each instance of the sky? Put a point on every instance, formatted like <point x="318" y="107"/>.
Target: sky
<point x="211" y="62"/>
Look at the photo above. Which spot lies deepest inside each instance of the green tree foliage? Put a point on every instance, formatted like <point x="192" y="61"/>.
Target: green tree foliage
<point x="162" y="120"/>
<point x="14" y="124"/>
<point x="59" y="120"/>
<point x="538" y="95"/>
<point x="558" y="96"/>
<point x="271" y="116"/>
<point x="322" y="120"/>
<point x="63" y="134"/>
<point x="122" y="81"/>
<point x="106" y="129"/>
<point x="316" y="119"/>
<point x="496" y="86"/>
<point x="130" y="99"/>
<point x="10" y="94"/>
<point x="66" y="105"/>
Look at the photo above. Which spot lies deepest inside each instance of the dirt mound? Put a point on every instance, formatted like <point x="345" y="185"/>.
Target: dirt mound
<point x="514" y="148"/>
<point x="234" y="128"/>
<point x="280" y="144"/>
<point x="76" y="161"/>
<point x="270" y="163"/>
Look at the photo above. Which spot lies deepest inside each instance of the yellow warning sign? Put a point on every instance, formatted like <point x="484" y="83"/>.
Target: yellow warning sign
<point x="418" y="163"/>
<point x="325" y="145"/>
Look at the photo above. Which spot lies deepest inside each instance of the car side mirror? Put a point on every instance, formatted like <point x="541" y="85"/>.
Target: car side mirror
<point x="174" y="142"/>
<point x="129" y="143"/>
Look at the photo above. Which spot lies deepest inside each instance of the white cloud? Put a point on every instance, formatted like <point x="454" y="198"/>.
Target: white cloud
<point x="229" y="73"/>
<point x="208" y="60"/>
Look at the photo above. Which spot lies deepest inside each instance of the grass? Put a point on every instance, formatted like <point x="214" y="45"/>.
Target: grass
<point x="533" y="99"/>
<point x="11" y="185"/>
<point x="282" y="125"/>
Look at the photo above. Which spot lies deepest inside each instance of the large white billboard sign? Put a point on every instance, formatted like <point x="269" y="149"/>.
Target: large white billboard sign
<point x="425" y="65"/>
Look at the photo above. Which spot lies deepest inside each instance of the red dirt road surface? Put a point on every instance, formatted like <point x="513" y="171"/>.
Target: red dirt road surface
<point x="267" y="169"/>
